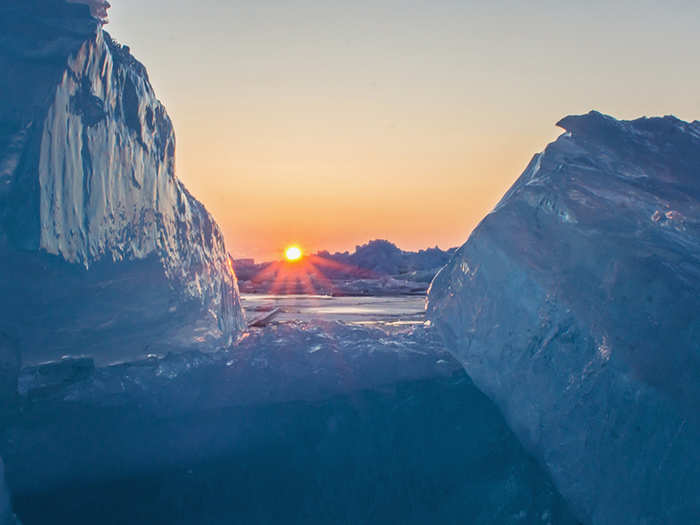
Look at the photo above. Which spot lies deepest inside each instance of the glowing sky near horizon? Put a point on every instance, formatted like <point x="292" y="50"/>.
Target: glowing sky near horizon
<point x="326" y="124"/>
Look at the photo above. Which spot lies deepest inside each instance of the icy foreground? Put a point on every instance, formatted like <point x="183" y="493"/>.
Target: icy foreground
<point x="288" y="362"/>
<point x="9" y="369"/>
<point x="300" y="423"/>
<point x="575" y="306"/>
<point x="7" y="517"/>
<point x="102" y="249"/>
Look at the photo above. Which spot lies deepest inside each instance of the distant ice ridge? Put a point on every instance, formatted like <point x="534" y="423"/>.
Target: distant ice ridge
<point x="575" y="306"/>
<point x="89" y="200"/>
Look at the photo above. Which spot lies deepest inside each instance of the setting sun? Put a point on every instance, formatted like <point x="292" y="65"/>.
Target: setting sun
<point x="293" y="253"/>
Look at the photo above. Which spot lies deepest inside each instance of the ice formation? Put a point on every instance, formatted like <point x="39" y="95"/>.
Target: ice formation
<point x="575" y="306"/>
<point x="9" y="369"/>
<point x="299" y="423"/>
<point x="288" y="362"/>
<point x="98" y="8"/>
<point x="102" y="249"/>
<point x="6" y="515"/>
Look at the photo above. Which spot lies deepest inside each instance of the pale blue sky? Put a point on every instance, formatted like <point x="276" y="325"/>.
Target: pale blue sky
<point x="330" y="123"/>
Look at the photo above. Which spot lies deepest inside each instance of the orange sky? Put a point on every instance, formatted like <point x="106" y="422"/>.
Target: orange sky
<point x="329" y="123"/>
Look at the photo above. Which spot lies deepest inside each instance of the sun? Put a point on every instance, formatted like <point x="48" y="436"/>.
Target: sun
<point x="293" y="253"/>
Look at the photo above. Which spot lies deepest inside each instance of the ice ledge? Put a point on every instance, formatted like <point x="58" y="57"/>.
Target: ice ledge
<point x="597" y="125"/>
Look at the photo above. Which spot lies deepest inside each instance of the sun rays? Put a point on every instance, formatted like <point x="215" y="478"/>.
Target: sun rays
<point x="303" y="274"/>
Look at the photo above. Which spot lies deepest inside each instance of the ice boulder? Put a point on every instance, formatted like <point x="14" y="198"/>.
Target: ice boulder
<point x="102" y="249"/>
<point x="575" y="306"/>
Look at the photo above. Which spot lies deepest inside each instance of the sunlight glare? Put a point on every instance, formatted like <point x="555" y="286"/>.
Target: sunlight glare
<point x="293" y="253"/>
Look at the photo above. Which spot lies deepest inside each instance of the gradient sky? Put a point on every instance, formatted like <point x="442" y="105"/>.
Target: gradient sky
<point x="330" y="123"/>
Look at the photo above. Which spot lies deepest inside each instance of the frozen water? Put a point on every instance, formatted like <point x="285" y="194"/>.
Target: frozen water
<point x="95" y="227"/>
<point x="304" y="422"/>
<point x="366" y="310"/>
<point x="285" y="362"/>
<point x="9" y="369"/>
<point x="575" y="306"/>
<point x="6" y="515"/>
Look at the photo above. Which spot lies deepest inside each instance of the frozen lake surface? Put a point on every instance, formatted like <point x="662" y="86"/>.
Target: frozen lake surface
<point x="401" y="310"/>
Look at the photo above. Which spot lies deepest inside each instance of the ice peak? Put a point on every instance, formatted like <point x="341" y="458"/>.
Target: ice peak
<point x="602" y="127"/>
<point x="98" y="8"/>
